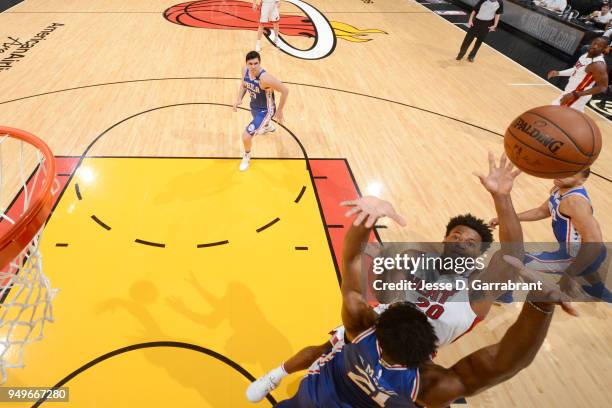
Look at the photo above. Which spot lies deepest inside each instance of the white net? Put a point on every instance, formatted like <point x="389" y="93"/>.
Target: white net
<point x="25" y="292"/>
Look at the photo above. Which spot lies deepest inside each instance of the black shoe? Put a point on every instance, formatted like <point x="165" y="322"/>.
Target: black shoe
<point x="601" y="105"/>
<point x="459" y="57"/>
<point x="471" y="59"/>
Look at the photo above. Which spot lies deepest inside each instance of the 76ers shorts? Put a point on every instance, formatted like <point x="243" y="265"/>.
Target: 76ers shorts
<point x="269" y="11"/>
<point x="261" y="118"/>
<point x="556" y="262"/>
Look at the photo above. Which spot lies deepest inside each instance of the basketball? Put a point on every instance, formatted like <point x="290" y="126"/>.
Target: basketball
<point x="552" y="141"/>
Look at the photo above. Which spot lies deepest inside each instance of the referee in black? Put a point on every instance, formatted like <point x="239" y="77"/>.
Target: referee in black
<point x="487" y="13"/>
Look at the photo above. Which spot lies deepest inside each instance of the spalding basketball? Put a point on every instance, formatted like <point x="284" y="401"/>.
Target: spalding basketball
<point x="552" y="141"/>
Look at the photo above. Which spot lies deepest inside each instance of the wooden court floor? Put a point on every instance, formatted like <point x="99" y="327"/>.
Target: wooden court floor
<point x="138" y="109"/>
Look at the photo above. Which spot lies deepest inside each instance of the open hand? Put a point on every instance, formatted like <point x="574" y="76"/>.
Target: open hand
<point x="500" y="179"/>
<point x="552" y="74"/>
<point x="566" y="99"/>
<point x="371" y="208"/>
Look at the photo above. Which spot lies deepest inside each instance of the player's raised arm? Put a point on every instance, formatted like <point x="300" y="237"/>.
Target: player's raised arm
<point x="357" y="315"/>
<point x="241" y="91"/>
<point x="499" y="183"/>
<point x="498" y="362"/>
<point x="268" y="81"/>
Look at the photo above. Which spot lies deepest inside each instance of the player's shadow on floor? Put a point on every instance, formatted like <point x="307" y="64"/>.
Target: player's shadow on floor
<point x="254" y="339"/>
<point x="195" y="371"/>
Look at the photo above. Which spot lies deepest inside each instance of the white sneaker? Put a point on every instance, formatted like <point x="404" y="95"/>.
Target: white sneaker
<point x="244" y="164"/>
<point x="269" y="128"/>
<point x="260" y="388"/>
<point x="258" y="46"/>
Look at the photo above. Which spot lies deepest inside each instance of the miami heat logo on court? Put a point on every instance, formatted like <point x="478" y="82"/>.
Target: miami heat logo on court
<point x="239" y="15"/>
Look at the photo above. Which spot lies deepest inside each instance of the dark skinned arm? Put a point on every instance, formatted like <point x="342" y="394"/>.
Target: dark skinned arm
<point x="498" y="362"/>
<point x="357" y="315"/>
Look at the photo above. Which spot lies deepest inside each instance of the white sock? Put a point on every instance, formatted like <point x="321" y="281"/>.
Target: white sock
<point x="278" y="373"/>
<point x="247" y="154"/>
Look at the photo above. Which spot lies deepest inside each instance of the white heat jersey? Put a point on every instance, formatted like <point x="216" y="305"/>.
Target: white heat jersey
<point x="448" y="311"/>
<point x="580" y="80"/>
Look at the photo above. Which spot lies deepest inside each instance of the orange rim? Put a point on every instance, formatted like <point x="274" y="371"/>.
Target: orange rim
<point x="28" y="225"/>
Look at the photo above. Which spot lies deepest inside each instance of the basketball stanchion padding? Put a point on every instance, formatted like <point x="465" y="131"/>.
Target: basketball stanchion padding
<point x="27" y="183"/>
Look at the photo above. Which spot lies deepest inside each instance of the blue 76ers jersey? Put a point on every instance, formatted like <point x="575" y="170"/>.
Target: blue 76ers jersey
<point x="562" y="225"/>
<point x="355" y="376"/>
<point x="260" y="98"/>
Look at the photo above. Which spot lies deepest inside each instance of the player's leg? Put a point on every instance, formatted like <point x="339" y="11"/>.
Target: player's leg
<point x="596" y="287"/>
<point x="276" y="21"/>
<point x="247" y="142"/>
<point x="261" y="119"/>
<point x="247" y="139"/>
<point x="302" y="360"/>
<point x="264" y="17"/>
<point x="276" y="25"/>
<point x="482" y="29"/>
<point x="259" y="34"/>
<point x="469" y="37"/>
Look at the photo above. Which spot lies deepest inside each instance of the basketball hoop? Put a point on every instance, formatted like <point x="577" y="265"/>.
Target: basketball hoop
<point x="27" y="179"/>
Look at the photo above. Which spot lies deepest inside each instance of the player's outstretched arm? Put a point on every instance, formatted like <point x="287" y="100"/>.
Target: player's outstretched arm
<point x="499" y="183"/>
<point x="357" y="315"/>
<point x="535" y="214"/>
<point x="565" y="73"/>
<point x="498" y="362"/>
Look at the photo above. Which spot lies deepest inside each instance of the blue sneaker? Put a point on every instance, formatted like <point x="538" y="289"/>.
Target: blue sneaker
<point x="505" y="298"/>
<point x="598" y="291"/>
